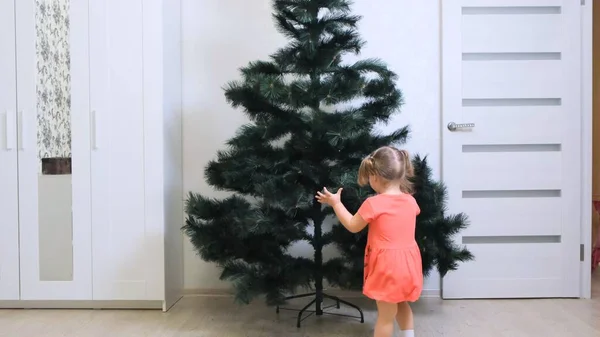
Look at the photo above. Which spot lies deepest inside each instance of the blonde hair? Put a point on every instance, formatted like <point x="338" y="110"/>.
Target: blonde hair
<point x="389" y="163"/>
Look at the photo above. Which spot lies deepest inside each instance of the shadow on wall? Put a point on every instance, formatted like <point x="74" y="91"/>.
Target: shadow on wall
<point x="219" y="37"/>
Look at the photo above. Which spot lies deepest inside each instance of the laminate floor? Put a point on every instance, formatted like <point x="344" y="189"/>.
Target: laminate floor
<point x="219" y="317"/>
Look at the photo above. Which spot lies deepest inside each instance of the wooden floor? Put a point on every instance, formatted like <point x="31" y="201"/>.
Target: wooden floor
<point x="217" y="316"/>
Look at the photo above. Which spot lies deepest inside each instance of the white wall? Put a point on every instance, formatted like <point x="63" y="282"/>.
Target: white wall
<point x="220" y="36"/>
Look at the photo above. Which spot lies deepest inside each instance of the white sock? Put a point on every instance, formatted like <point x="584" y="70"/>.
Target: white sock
<point x="407" y="333"/>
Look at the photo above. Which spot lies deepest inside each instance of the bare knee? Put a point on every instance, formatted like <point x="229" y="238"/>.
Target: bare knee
<point x="405" y="316"/>
<point x="403" y="306"/>
<point x="386" y="311"/>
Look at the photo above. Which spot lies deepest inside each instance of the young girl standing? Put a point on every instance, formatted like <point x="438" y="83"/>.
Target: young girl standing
<point x="393" y="272"/>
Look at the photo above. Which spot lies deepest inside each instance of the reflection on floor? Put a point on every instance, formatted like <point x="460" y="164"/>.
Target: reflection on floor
<point x="219" y="317"/>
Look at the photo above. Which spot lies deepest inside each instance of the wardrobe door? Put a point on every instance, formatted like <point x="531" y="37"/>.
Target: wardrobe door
<point x="9" y="207"/>
<point x="54" y="149"/>
<point x="119" y="235"/>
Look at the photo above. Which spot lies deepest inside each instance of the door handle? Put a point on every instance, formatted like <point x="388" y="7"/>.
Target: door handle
<point x="455" y="127"/>
<point x="9" y="130"/>
<point x="22" y="131"/>
<point x="94" y="130"/>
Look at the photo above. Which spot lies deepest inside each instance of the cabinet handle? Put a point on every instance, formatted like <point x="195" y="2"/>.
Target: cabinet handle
<point x="9" y="130"/>
<point x="94" y="130"/>
<point x="22" y="131"/>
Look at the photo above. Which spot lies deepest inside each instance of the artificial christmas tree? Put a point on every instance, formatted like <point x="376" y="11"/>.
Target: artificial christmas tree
<point x="312" y="119"/>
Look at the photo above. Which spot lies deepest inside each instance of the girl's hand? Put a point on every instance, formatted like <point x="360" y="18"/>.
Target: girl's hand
<point x="328" y="198"/>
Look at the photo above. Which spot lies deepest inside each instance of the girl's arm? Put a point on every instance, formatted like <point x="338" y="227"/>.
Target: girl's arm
<point x="353" y="223"/>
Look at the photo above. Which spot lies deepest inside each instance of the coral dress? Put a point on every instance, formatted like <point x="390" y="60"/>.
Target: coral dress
<point x="393" y="268"/>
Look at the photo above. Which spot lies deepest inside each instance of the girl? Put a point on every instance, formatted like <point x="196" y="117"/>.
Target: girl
<point x="393" y="272"/>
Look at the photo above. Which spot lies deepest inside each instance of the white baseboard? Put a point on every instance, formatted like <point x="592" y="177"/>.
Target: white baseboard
<point x="226" y="292"/>
<point x="159" y="305"/>
<point x="137" y="305"/>
<point x="431" y="293"/>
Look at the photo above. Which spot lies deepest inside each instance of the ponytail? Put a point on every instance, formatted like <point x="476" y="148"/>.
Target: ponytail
<point x="366" y="169"/>
<point x="406" y="184"/>
<point x="409" y="170"/>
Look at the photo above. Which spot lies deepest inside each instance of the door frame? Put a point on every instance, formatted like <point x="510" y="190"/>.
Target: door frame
<point x="586" y="147"/>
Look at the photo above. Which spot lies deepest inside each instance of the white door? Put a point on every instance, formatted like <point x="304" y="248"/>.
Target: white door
<point x="512" y="68"/>
<point x="123" y="264"/>
<point x="53" y="120"/>
<point x="9" y="206"/>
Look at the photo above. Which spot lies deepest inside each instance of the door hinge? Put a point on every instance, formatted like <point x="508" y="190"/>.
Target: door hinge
<point x="581" y="252"/>
<point x="583" y="2"/>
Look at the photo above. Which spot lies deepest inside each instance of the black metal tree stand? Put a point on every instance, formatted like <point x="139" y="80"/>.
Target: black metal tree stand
<point x="319" y="295"/>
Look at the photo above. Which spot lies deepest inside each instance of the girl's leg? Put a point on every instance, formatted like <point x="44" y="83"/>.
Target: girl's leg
<point x="386" y="312"/>
<point x="404" y="317"/>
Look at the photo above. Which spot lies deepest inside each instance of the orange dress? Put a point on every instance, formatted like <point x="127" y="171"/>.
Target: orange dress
<point x="393" y="268"/>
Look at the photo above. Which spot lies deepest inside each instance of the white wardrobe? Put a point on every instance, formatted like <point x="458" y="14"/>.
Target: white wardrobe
<point x="90" y="154"/>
